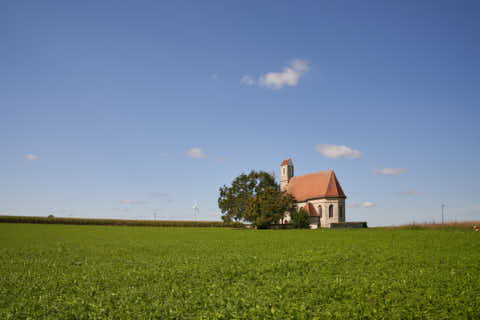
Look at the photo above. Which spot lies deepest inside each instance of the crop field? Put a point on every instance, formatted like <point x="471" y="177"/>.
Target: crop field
<point x="119" y="222"/>
<point x="106" y="272"/>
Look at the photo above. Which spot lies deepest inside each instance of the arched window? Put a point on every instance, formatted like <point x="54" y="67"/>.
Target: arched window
<point x="330" y="211"/>
<point x="340" y="212"/>
<point x="320" y="211"/>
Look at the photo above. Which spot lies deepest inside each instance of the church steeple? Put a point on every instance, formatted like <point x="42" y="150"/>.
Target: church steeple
<point x="286" y="173"/>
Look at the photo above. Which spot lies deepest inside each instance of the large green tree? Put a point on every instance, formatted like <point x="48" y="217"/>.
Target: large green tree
<point x="255" y="198"/>
<point x="268" y="207"/>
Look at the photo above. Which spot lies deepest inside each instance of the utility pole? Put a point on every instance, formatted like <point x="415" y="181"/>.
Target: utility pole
<point x="443" y="213"/>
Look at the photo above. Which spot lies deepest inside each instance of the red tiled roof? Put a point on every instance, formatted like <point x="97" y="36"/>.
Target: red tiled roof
<point x="285" y="162"/>
<point x="315" y="185"/>
<point x="310" y="208"/>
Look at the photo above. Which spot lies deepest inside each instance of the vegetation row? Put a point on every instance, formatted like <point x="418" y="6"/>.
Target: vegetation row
<point x="457" y="225"/>
<point x="119" y="222"/>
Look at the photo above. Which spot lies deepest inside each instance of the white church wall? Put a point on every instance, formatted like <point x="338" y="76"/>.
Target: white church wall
<point x="325" y="220"/>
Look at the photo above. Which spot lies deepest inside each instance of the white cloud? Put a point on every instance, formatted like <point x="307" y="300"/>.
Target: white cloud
<point x="389" y="171"/>
<point x="247" y="80"/>
<point x="288" y="77"/>
<point x="133" y="202"/>
<point x="365" y="204"/>
<point x="276" y="80"/>
<point x="196" y="153"/>
<point x="368" y="204"/>
<point x="334" y="151"/>
<point x="31" y="156"/>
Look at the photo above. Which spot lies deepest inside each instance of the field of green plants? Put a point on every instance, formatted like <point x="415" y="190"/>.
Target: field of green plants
<point x="119" y="222"/>
<point x="107" y="272"/>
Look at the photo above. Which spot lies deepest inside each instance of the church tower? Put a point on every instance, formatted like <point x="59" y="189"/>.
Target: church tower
<point x="286" y="173"/>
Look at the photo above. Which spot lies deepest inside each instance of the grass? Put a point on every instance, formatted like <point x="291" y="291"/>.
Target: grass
<point x="103" y="272"/>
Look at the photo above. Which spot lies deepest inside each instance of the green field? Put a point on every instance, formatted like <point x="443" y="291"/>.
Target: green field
<point x="97" y="272"/>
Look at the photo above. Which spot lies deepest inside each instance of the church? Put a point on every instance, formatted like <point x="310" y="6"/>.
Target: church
<point x="319" y="193"/>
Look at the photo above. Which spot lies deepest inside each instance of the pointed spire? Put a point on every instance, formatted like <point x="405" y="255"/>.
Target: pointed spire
<point x="286" y="162"/>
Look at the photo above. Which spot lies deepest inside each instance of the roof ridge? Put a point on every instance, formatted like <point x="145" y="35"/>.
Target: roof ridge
<point x="329" y="181"/>
<point x="307" y="174"/>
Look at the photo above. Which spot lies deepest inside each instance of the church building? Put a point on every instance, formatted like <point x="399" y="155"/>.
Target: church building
<point x="319" y="193"/>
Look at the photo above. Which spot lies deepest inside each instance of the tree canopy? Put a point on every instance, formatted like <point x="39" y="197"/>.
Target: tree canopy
<point x="255" y="198"/>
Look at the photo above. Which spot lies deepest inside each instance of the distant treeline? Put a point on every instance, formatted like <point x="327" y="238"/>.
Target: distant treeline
<point x="460" y="225"/>
<point x="119" y="222"/>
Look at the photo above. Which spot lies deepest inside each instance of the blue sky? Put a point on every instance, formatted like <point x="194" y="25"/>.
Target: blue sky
<point x="112" y="109"/>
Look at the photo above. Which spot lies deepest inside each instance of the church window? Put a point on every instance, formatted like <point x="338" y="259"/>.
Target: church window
<point x="340" y="212"/>
<point x="283" y="171"/>
<point x="330" y="211"/>
<point x="320" y="211"/>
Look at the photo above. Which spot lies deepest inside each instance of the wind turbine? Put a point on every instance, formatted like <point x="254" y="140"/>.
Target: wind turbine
<point x="196" y="209"/>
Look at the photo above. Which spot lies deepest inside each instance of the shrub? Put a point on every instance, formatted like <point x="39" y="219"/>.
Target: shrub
<point x="299" y="219"/>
